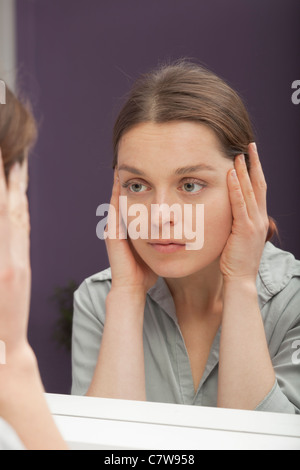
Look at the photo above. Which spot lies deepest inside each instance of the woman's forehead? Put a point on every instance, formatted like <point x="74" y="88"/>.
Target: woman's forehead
<point x="176" y="145"/>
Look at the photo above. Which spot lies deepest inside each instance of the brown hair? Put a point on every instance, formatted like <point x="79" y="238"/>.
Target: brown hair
<point x="18" y="130"/>
<point x="186" y="91"/>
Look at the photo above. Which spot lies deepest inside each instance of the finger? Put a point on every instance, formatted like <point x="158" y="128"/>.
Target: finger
<point x="4" y="221"/>
<point x="111" y="227"/>
<point x="19" y="216"/>
<point x="24" y="175"/>
<point x="114" y="230"/>
<point x="238" y="205"/>
<point x="246" y="187"/>
<point x="258" y="179"/>
<point x="3" y="187"/>
<point x="14" y="192"/>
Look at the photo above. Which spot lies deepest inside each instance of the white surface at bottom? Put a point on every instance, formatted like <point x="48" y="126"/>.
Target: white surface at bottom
<point x="97" y="423"/>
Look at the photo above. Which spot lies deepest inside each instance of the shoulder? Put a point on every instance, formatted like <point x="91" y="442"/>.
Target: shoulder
<point x="91" y="294"/>
<point x="104" y="275"/>
<point x="98" y="282"/>
<point x="101" y="276"/>
<point x="278" y="285"/>
<point x="278" y="270"/>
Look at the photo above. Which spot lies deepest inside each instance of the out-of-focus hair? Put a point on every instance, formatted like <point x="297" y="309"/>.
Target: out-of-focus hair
<point x="18" y="130"/>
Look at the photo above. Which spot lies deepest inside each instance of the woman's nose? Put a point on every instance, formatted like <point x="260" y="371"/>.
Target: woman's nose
<point x="164" y="215"/>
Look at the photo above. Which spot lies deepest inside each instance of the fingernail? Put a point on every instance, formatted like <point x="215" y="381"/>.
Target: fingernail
<point x="254" y="147"/>
<point x="241" y="158"/>
<point x="233" y="174"/>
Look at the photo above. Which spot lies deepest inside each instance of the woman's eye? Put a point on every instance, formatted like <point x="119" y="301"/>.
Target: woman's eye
<point x="193" y="187"/>
<point x="135" y="187"/>
<point x="190" y="187"/>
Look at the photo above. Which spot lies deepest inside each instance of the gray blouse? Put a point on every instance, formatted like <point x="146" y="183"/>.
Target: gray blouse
<point x="168" y="372"/>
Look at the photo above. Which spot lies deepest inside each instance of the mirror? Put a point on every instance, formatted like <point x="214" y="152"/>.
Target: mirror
<point x="75" y="62"/>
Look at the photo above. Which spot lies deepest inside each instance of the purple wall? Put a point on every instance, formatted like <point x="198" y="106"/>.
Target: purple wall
<point x="76" y="60"/>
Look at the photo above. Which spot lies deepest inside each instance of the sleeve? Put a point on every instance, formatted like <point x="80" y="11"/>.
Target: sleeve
<point x="88" y="325"/>
<point x="285" y="395"/>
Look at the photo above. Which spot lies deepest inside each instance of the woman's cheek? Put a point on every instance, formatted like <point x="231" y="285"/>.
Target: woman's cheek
<point x="217" y="224"/>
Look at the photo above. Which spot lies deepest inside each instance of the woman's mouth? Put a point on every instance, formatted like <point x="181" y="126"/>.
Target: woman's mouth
<point x="167" y="247"/>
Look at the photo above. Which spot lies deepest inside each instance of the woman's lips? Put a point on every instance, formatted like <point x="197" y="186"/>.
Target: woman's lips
<point x="167" y="248"/>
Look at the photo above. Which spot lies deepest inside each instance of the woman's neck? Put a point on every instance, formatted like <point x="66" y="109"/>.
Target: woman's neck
<point x="200" y="292"/>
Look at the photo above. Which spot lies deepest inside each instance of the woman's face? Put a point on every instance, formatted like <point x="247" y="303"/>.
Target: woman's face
<point x="154" y="152"/>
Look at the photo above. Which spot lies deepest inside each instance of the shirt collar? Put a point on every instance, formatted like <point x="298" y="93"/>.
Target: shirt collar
<point x="160" y="292"/>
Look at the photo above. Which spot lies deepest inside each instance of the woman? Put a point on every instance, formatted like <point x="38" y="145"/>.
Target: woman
<point x="213" y="326"/>
<point x="25" y="420"/>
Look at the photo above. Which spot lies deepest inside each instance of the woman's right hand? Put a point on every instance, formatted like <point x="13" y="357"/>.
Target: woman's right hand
<point x="15" y="271"/>
<point x="129" y="272"/>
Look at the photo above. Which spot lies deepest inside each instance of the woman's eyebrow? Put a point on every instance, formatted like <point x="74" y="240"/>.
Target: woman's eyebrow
<point x="180" y="171"/>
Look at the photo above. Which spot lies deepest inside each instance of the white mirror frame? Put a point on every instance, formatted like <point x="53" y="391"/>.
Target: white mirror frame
<point x="88" y="423"/>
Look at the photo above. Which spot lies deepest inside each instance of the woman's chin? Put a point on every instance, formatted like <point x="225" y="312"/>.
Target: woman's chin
<point x="171" y="268"/>
<point x="176" y="264"/>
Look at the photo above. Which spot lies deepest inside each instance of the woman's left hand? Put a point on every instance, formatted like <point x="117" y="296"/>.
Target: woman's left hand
<point x="242" y="253"/>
